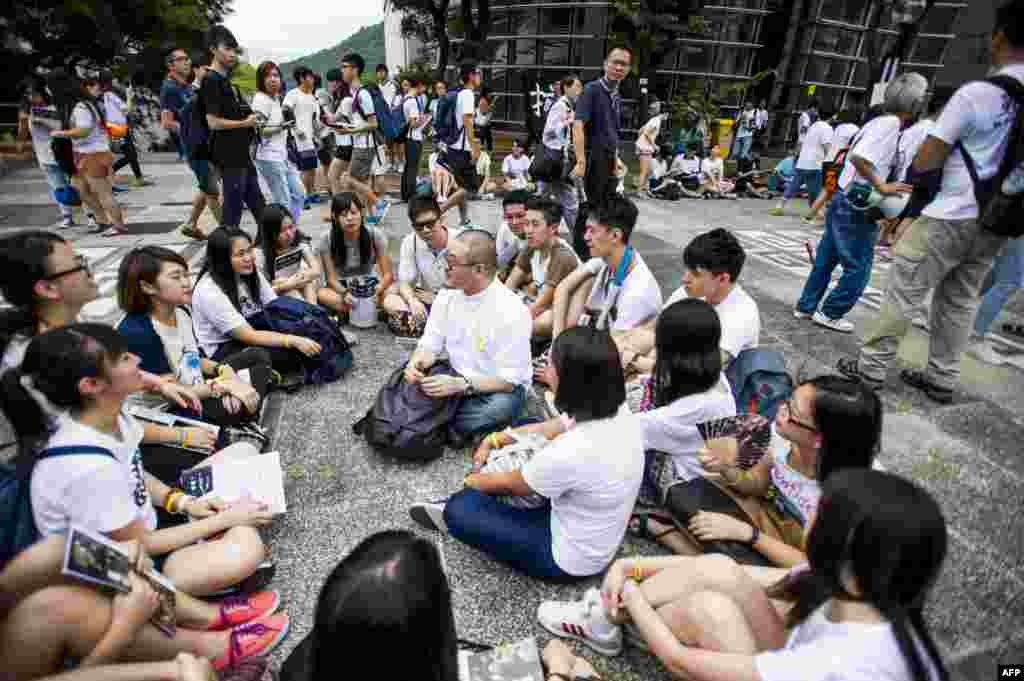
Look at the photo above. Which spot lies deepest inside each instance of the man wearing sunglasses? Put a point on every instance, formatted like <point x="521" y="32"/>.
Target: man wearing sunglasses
<point x="485" y="330"/>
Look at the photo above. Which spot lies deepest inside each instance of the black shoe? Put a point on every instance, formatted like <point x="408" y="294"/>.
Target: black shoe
<point x="848" y="366"/>
<point x="917" y="379"/>
<point x="1014" y="330"/>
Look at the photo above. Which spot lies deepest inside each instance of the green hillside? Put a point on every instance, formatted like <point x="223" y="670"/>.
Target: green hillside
<point x="367" y="41"/>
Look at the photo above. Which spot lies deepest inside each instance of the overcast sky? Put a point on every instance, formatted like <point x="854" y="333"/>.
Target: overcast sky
<point x="285" y="29"/>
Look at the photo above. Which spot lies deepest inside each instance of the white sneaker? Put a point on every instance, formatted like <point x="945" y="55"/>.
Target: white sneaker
<point x="983" y="351"/>
<point x="430" y="515"/>
<point x="67" y="222"/>
<point x="584" y="621"/>
<point x="352" y="339"/>
<point x="842" y="325"/>
<point x="801" y="315"/>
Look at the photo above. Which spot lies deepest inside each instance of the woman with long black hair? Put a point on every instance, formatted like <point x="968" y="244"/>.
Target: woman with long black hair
<point x="231" y="290"/>
<point x="285" y="257"/>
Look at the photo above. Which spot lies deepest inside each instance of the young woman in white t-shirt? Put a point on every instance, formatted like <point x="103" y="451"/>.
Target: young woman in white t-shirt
<point x="713" y="182"/>
<point x="853" y="613"/>
<point x="230" y="290"/>
<point x="271" y="160"/>
<point x="590" y="473"/>
<point x="86" y="371"/>
<point x="288" y="262"/>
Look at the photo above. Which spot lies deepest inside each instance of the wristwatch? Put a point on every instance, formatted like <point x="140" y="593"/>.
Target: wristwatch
<point x="470" y="388"/>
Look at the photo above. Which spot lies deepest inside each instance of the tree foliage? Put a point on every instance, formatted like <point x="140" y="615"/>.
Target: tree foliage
<point x="651" y="28"/>
<point x="426" y="21"/>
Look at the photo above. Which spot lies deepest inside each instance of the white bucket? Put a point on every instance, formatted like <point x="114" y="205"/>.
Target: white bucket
<point x="364" y="306"/>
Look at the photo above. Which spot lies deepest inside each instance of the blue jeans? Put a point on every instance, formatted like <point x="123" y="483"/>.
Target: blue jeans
<point x="241" y="187"/>
<point x="56" y="178"/>
<point x="1008" y="276"/>
<point x="849" y="240"/>
<point x="742" y="148"/>
<point x="518" y="537"/>
<point x="811" y="177"/>
<point x="484" y="413"/>
<point x="285" y="185"/>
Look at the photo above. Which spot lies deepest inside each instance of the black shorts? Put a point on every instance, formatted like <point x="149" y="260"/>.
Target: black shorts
<point x="460" y="164"/>
<point x="326" y="151"/>
<point x="343" y="153"/>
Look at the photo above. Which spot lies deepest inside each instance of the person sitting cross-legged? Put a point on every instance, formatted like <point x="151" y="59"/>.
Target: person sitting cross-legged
<point x="546" y="262"/>
<point x="485" y="330"/>
<point x="590" y="474"/>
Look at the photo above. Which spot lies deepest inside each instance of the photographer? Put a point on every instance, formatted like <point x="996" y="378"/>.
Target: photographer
<point x="272" y="147"/>
<point x="231" y="121"/>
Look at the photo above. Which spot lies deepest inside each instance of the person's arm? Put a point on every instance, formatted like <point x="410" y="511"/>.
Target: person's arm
<point x="494" y="484"/>
<point x="386" y="267"/>
<point x="168" y="121"/>
<point x="218" y="123"/>
<point x="563" y="294"/>
<point x="135" y="671"/>
<point x="516" y="278"/>
<point x="271" y="339"/>
<point x="331" y="274"/>
<point x="867" y="170"/>
<point x="579" y="143"/>
<point x="931" y="155"/>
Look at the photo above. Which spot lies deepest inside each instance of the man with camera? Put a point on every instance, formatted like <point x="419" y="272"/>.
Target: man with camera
<point x="231" y="122"/>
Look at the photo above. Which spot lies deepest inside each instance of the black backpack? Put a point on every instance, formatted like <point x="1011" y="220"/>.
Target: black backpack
<point x="998" y="211"/>
<point x="405" y="423"/>
<point x="296" y="317"/>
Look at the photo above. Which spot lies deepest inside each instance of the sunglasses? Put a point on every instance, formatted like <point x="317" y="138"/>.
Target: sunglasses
<point x="83" y="264"/>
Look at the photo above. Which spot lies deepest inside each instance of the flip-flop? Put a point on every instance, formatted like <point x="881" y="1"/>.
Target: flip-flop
<point x="193" y="232"/>
<point x="643" y="531"/>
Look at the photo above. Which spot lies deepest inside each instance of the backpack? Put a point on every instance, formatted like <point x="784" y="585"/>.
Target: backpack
<point x="1001" y="197"/>
<point x="296" y="317"/>
<point x="446" y="128"/>
<point x="406" y="424"/>
<point x="63" y="149"/>
<point x="389" y="121"/>
<point x="18" y="528"/>
<point x="759" y="382"/>
<point x="670" y="192"/>
<point x="193" y="129"/>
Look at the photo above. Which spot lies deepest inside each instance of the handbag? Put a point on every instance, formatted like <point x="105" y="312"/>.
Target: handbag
<point x="546" y="165"/>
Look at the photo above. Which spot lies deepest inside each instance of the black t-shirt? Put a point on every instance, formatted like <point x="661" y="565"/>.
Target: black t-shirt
<point x="228" y="148"/>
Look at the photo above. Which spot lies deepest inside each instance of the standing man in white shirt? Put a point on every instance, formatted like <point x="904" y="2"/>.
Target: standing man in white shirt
<point x="845" y="131"/>
<point x="462" y="154"/>
<point x="485" y="330"/>
<point x="813" y="151"/>
<point x="807" y="118"/>
<point x="746" y="123"/>
<point x="363" y="131"/>
<point x="304" y="104"/>
<point x="417" y="117"/>
<point x="761" y="123"/>
<point x="850" y="234"/>
<point x="388" y="90"/>
<point x="945" y="249"/>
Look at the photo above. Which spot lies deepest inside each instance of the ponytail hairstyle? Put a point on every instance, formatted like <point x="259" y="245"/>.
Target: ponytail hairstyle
<point x="342" y="203"/>
<point x="218" y="264"/>
<point x="54" y="364"/>
<point x="271" y="221"/>
<point x="24" y="260"/>
<point x="889" y="535"/>
<point x="689" y="362"/>
<point x="849" y="419"/>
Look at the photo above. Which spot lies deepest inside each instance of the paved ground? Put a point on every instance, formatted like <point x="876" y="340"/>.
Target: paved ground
<point x="967" y="453"/>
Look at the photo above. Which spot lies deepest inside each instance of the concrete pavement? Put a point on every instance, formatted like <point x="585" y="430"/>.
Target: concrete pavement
<point x="967" y="453"/>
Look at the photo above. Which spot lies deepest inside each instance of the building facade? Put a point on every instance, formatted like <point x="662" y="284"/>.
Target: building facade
<point x="794" y="46"/>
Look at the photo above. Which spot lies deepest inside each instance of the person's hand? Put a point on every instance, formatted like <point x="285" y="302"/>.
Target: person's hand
<point x="252" y="121"/>
<point x="232" y="404"/>
<point x="580" y="170"/>
<point x="631" y="593"/>
<point x="719" y="527"/>
<point x="347" y="300"/>
<point x="192" y="668"/>
<point x="249" y="512"/>
<point x="719" y="455"/>
<point x="900" y="230"/>
<point x="414" y="373"/>
<point x="443" y="386"/>
<point x="611" y="588"/>
<point x="627" y="357"/>
<point x="425" y="296"/>
<point x="544" y="375"/>
<point x="482" y="453"/>
<point x="183" y="396"/>
<point x="895" y="188"/>
<point x="418" y="310"/>
<point x="306" y="346"/>
<point x="131" y="610"/>
<point x="242" y="392"/>
<point x="136" y="553"/>
<point x="472" y="481"/>
<point x="475" y="153"/>
<point x="203" y="508"/>
<point x="558" y="658"/>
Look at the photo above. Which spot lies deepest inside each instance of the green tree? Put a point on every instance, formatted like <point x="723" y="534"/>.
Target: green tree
<point x="426" y="21"/>
<point x="651" y="28"/>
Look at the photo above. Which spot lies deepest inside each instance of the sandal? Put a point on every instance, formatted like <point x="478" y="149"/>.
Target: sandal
<point x="641" y="529"/>
<point x="115" y="231"/>
<point x="193" y="232"/>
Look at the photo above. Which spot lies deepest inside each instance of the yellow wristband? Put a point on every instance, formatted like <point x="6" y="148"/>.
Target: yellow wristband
<point x="188" y="438"/>
<point x="495" y="442"/>
<point x="170" y="499"/>
<point x="638" y="574"/>
<point x="222" y="369"/>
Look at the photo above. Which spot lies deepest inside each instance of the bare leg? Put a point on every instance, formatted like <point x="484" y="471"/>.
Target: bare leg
<point x="458" y="198"/>
<point x="330" y="298"/>
<point x="309" y="292"/>
<point x="335" y="174"/>
<point x="710" y="620"/>
<point x="645" y="168"/>
<point x="201" y="569"/>
<point x="542" y="324"/>
<point x="578" y="302"/>
<point x="309" y="181"/>
<point x="213" y="201"/>
<point x="366" y="194"/>
<point x="198" y="206"/>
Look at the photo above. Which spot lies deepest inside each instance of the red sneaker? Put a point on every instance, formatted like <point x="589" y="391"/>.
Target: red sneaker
<point x="253" y="639"/>
<point x="242" y="608"/>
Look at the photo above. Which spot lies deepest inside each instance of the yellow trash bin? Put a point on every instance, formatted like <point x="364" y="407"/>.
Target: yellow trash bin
<point x="723" y="134"/>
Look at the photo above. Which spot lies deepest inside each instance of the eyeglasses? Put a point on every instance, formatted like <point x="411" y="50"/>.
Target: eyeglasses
<point x="791" y="413"/>
<point x="425" y="227"/>
<point x="83" y="265"/>
<point x="182" y="58"/>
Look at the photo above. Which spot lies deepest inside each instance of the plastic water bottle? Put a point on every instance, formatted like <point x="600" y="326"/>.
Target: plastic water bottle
<point x="189" y="370"/>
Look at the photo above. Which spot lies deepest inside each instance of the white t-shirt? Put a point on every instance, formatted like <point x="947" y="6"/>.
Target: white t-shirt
<point x="465" y="104"/>
<point x="213" y="315"/>
<point x="556" y="126"/>
<point x="592" y="476"/>
<point x="419" y="265"/>
<point x="738" y="316"/>
<point x="639" y="300"/>
<point x="113" y="107"/>
<point x="746" y="122"/>
<point x="485" y="335"/>
<point x="388" y="90"/>
<point x="685" y="166"/>
<point x="364" y="139"/>
<point x="673" y="428"/>
<point x="910" y="143"/>
<point x="413" y="111"/>
<point x="296" y="258"/>
<point x="646" y="140"/>
<point x="803" y="125"/>
<point x="273" y="148"/>
<point x="979" y="115"/>
<point x="343" y="114"/>
<point x="819" y="649"/>
<point x="83" y="116"/>
<point x="841" y="139"/>
<point x="814" y="146"/>
<point x="99" y="493"/>
<point x="307" y="114"/>
<point x="508" y="245"/>
<point x="712" y="168"/>
<point x="42" y="121"/>
<point x="515" y="167"/>
<point x="877" y="143"/>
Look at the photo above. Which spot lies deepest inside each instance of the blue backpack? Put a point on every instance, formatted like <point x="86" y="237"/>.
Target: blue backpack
<point x="193" y="130"/>
<point x="759" y="382"/>
<point x="296" y="317"/>
<point x="390" y="122"/>
<point x="18" y="528"/>
<point x="446" y="128"/>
